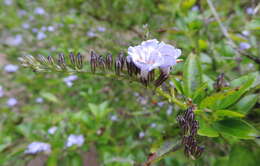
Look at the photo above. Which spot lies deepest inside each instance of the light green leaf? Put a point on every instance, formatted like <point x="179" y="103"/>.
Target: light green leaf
<point x="206" y="129"/>
<point x="236" y="128"/>
<point x="245" y="104"/>
<point x="178" y="86"/>
<point x="99" y="111"/>
<point x="228" y="113"/>
<point x="192" y="78"/>
<point x="50" y="97"/>
<point x="253" y="25"/>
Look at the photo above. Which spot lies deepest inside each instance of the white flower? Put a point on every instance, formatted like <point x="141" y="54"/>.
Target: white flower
<point x="246" y="33"/>
<point x="34" y="30"/>
<point x="113" y="118"/>
<point x="8" y="2"/>
<point x="169" y="110"/>
<point x="69" y="80"/>
<point x="39" y="100"/>
<point x="39" y="11"/>
<point x="26" y="26"/>
<point x="15" y="41"/>
<point x="41" y="36"/>
<point x="101" y="29"/>
<point x="153" y="125"/>
<point x="10" y="68"/>
<point x="244" y="46"/>
<point x="250" y="11"/>
<point x="51" y="28"/>
<point x="91" y="34"/>
<point x="21" y="12"/>
<point x="52" y="130"/>
<point x="152" y="54"/>
<point x="36" y="147"/>
<point x="141" y="135"/>
<point x="160" y="104"/>
<point x="1" y="91"/>
<point x="75" y="140"/>
<point x="195" y="8"/>
<point x="43" y="28"/>
<point x="11" y="102"/>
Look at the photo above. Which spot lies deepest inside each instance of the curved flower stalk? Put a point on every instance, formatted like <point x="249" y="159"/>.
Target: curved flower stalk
<point x="140" y="64"/>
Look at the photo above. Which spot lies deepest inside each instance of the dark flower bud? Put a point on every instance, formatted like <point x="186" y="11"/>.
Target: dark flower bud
<point x="50" y="60"/>
<point x="109" y="61"/>
<point x="79" y="60"/>
<point x="118" y="66"/>
<point x="93" y="61"/>
<point x="61" y="61"/>
<point x="185" y="128"/>
<point x="184" y="140"/>
<point x="122" y="60"/>
<point x="101" y="63"/>
<point x="199" y="151"/>
<point x="163" y="77"/>
<point x="42" y="59"/>
<point x="72" y="59"/>
<point x="186" y="151"/>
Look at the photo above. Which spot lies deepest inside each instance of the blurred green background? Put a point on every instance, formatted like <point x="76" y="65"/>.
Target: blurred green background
<point x="121" y="122"/>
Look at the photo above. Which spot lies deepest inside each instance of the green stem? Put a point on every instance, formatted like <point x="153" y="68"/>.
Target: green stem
<point x="171" y="98"/>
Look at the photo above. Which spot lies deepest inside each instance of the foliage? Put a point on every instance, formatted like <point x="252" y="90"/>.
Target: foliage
<point x="122" y="121"/>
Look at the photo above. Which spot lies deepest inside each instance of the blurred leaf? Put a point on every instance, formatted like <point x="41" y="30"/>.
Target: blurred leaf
<point x="200" y="93"/>
<point x="245" y="104"/>
<point x="99" y="111"/>
<point x="240" y="156"/>
<point x="253" y="24"/>
<point x="178" y="86"/>
<point x="192" y="78"/>
<point x="222" y="100"/>
<point x="228" y="113"/>
<point x="165" y="149"/>
<point x="237" y="128"/>
<point x="243" y="79"/>
<point x="206" y="129"/>
<point x="49" y="97"/>
<point x="186" y="4"/>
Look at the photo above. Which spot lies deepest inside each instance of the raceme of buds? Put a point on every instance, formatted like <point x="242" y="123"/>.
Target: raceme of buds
<point x="141" y="63"/>
<point x="41" y="63"/>
<point x="189" y="127"/>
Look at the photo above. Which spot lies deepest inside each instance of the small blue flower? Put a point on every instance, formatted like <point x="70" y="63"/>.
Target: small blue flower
<point x="244" y="46"/>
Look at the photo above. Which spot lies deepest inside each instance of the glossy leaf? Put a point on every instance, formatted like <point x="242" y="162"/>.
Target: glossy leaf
<point x="228" y="113"/>
<point x="206" y="129"/>
<point x="245" y="104"/>
<point x="236" y="128"/>
<point x="192" y="78"/>
<point x="222" y="100"/>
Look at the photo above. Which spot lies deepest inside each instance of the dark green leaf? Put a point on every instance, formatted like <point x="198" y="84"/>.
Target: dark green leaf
<point x="245" y="104"/>
<point x="236" y="128"/>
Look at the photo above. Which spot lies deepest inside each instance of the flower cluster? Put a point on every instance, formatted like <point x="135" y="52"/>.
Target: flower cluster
<point x="36" y="147"/>
<point x="142" y="60"/>
<point x="189" y="128"/>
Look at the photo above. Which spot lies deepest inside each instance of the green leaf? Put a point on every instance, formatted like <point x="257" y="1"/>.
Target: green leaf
<point x="200" y="93"/>
<point x="243" y="79"/>
<point x="253" y="25"/>
<point x="99" y="111"/>
<point x="222" y="100"/>
<point x="178" y="86"/>
<point x="165" y="149"/>
<point x="236" y="128"/>
<point x="192" y="78"/>
<point x="49" y="96"/>
<point x="240" y="156"/>
<point x="228" y="113"/>
<point x="206" y="129"/>
<point x="245" y="104"/>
